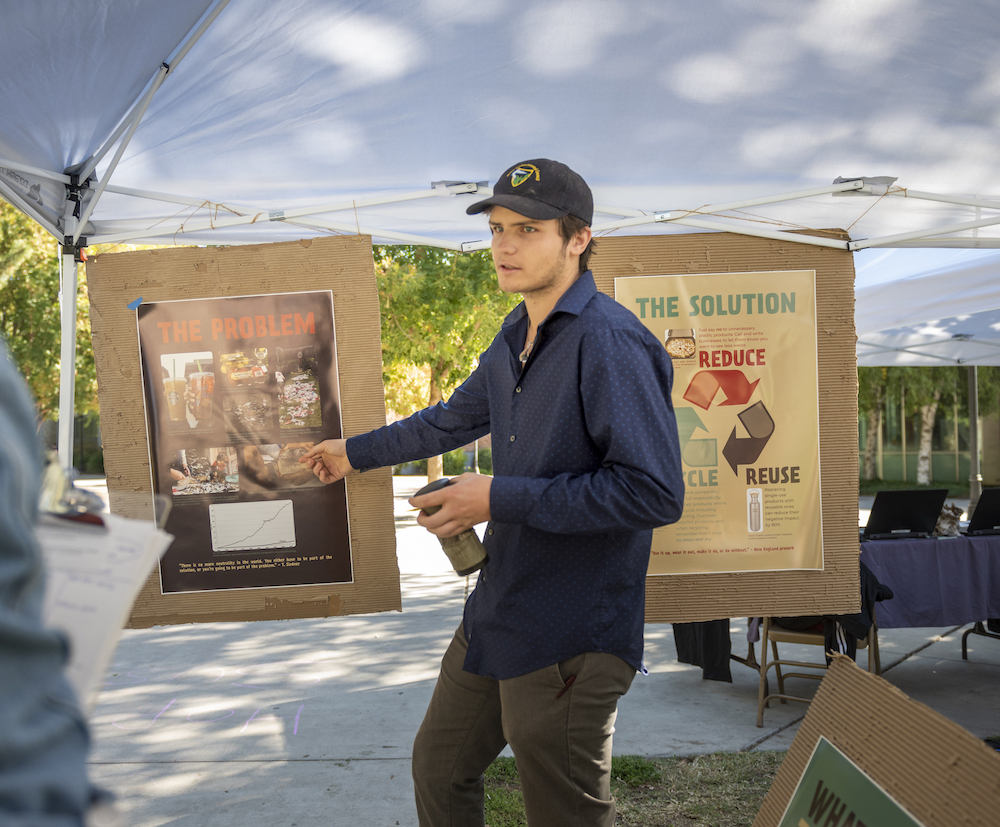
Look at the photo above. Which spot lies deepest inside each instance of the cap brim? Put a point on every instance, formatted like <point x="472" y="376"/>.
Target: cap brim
<point x="528" y="207"/>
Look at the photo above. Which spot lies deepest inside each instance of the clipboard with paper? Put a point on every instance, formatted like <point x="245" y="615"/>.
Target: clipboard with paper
<point x="95" y="565"/>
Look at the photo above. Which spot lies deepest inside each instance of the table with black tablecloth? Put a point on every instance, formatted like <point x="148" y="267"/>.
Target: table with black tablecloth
<point x="938" y="581"/>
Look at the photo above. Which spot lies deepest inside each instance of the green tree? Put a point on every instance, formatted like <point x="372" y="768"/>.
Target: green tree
<point x="926" y="389"/>
<point x="440" y="310"/>
<point x="873" y="386"/>
<point x="988" y="385"/>
<point x="988" y="381"/>
<point x="29" y="313"/>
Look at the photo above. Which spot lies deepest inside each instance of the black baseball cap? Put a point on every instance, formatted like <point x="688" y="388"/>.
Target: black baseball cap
<point x="541" y="189"/>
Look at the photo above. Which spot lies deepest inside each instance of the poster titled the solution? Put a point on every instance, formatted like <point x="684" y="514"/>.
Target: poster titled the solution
<point x="236" y="390"/>
<point x="745" y="394"/>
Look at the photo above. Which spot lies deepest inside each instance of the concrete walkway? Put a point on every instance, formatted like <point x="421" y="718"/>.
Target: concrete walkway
<point x="310" y="722"/>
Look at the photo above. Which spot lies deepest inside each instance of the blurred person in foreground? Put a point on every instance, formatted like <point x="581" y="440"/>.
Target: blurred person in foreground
<point x="576" y="393"/>
<point x="43" y="735"/>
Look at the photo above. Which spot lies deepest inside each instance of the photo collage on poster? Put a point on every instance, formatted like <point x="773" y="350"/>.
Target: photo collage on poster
<point x="236" y="390"/>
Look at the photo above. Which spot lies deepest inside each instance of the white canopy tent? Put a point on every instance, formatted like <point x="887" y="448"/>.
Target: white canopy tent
<point x="966" y="339"/>
<point x="231" y="121"/>
<point x="947" y="314"/>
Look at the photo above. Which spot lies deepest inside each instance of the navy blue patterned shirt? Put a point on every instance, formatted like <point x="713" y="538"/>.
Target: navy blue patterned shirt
<point x="586" y="463"/>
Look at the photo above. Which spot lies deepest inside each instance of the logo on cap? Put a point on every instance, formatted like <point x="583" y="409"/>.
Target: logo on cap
<point x="523" y="173"/>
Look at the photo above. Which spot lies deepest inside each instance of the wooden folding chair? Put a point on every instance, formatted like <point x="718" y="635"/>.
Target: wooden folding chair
<point x="774" y="634"/>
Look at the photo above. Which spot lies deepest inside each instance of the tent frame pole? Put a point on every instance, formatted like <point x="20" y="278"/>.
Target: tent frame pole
<point x="16" y="199"/>
<point x="150" y="195"/>
<point x="50" y="223"/>
<point x="951" y="228"/>
<point x="677" y="215"/>
<point x="975" y="477"/>
<point x="631" y="217"/>
<point x="61" y="177"/>
<point x="347" y="229"/>
<point x="902" y="192"/>
<point x="911" y="349"/>
<point x="725" y="226"/>
<point x="978" y="243"/>
<point x="67" y="343"/>
<point x="289" y="215"/>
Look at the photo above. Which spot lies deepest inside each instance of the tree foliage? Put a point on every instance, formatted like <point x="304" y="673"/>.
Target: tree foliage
<point x="988" y="381"/>
<point x="29" y="313"/>
<point x="874" y="385"/>
<point x="926" y="391"/>
<point x="440" y="310"/>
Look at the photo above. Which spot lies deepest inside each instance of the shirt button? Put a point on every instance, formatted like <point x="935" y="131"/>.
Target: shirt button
<point x="511" y="437"/>
<point x="491" y="531"/>
<point x="517" y="389"/>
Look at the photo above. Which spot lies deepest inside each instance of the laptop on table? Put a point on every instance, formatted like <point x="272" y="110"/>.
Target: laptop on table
<point x="986" y="517"/>
<point x="904" y="515"/>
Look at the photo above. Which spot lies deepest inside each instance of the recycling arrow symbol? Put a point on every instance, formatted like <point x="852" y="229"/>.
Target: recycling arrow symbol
<point x="745" y="450"/>
<point x="705" y="384"/>
<point x="698" y="453"/>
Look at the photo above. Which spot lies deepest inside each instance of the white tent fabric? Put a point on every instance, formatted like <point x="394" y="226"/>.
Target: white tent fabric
<point x="233" y="121"/>
<point x="949" y="314"/>
<point x="968" y="339"/>
<point x="949" y="292"/>
<point x="665" y="107"/>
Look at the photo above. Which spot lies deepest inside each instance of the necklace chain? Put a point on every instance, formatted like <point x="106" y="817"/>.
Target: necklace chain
<point x="526" y="352"/>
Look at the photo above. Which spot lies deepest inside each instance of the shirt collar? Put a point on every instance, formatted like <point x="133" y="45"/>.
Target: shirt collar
<point x="573" y="301"/>
<point x="578" y="295"/>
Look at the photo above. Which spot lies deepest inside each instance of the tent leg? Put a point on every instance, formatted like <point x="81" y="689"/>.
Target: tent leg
<point x="67" y="351"/>
<point x="975" y="477"/>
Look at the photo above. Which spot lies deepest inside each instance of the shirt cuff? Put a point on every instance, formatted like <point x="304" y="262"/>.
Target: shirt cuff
<point x="513" y="498"/>
<point x="359" y="453"/>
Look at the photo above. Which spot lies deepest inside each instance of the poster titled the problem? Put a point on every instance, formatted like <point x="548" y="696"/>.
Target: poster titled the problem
<point x="236" y="390"/>
<point x="745" y="395"/>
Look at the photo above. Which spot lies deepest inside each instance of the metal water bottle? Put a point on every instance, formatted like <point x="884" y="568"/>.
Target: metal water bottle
<point x="755" y="521"/>
<point x="464" y="550"/>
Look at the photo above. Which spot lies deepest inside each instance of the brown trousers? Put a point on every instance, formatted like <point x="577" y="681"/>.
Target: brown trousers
<point x="559" y="730"/>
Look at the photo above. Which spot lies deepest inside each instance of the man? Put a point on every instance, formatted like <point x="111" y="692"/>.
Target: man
<point x="576" y="394"/>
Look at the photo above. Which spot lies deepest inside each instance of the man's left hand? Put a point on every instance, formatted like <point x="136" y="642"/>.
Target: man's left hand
<point x="464" y="503"/>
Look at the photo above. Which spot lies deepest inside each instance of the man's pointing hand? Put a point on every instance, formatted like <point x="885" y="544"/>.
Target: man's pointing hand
<point x="328" y="460"/>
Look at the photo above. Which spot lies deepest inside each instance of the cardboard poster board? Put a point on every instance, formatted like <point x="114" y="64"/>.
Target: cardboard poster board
<point x="745" y="395"/>
<point x="240" y="431"/>
<point x="832" y="589"/>
<point x="867" y="750"/>
<point x="236" y="390"/>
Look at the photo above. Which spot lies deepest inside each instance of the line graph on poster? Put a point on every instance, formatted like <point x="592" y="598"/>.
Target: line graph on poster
<point x="253" y="525"/>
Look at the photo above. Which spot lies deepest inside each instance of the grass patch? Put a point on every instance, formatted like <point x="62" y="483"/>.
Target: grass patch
<point x="717" y="790"/>
<point x="959" y="490"/>
<point x="504" y="802"/>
